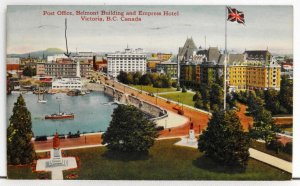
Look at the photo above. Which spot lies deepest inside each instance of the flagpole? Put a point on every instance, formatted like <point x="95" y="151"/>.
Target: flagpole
<point x="225" y="58"/>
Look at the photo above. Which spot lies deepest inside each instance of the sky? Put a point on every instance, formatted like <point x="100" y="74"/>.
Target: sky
<point x="267" y="27"/>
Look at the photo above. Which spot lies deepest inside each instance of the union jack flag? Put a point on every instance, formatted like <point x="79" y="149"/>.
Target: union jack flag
<point x="235" y="15"/>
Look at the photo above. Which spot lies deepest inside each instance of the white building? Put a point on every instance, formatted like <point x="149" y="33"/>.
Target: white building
<point x="67" y="83"/>
<point x="128" y="61"/>
<point x="53" y="58"/>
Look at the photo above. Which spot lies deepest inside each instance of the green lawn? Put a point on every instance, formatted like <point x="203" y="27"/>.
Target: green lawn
<point x="185" y="98"/>
<point x="164" y="162"/>
<point x="25" y="172"/>
<point x="151" y="89"/>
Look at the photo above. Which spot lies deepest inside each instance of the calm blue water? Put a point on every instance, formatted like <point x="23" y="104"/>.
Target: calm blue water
<point x="90" y="114"/>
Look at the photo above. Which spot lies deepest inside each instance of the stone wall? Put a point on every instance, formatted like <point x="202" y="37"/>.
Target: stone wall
<point x="146" y="107"/>
<point x="109" y="90"/>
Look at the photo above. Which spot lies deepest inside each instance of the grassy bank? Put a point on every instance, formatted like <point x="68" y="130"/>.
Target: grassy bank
<point x="151" y="89"/>
<point x="185" y="98"/>
<point x="25" y="172"/>
<point x="164" y="162"/>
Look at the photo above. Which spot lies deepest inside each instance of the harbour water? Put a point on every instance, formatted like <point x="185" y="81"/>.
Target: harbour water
<point x="91" y="115"/>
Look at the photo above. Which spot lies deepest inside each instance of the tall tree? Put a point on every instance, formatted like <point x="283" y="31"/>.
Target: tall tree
<point x="264" y="127"/>
<point x="29" y="71"/>
<point x="224" y="140"/>
<point x="286" y="94"/>
<point x="20" y="150"/>
<point x="255" y="104"/>
<point x="197" y="96"/>
<point x="216" y="96"/>
<point x="130" y="131"/>
<point x="271" y="100"/>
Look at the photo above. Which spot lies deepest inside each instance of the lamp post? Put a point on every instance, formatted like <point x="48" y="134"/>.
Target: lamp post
<point x="156" y="95"/>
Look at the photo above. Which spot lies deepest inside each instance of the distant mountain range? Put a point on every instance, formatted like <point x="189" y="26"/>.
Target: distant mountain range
<point x="39" y="54"/>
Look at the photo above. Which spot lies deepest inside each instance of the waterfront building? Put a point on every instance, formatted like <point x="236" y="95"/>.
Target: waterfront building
<point x="287" y="69"/>
<point x="248" y="71"/>
<point x="66" y="67"/>
<point x="167" y="67"/>
<point x="100" y="64"/>
<point x="13" y="66"/>
<point x="257" y="71"/>
<point x="185" y="53"/>
<point x="162" y="56"/>
<point x="67" y="83"/>
<point x="128" y="61"/>
<point x="40" y="69"/>
<point x="51" y="59"/>
<point x="151" y="63"/>
<point x="190" y="74"/>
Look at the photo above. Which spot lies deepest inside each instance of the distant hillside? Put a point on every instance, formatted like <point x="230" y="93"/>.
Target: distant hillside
<point x="37" y="54"/>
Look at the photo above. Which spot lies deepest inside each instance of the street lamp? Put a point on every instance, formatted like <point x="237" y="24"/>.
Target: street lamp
<point x="156" y="95"/>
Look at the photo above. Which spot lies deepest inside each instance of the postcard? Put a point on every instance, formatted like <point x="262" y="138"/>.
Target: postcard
<point x="186" y="92"/>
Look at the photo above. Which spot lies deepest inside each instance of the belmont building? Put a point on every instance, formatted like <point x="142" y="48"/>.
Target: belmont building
<point x="127" y="61"/>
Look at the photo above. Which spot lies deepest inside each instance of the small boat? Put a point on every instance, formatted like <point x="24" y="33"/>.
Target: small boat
<point x="82" y="93"/>
<point x="74" y="92"/>
<point x="87" y="92"/>
<point x="60" y="115"/>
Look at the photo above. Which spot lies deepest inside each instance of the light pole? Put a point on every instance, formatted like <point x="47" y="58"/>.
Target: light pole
<point x="156" y="95"/>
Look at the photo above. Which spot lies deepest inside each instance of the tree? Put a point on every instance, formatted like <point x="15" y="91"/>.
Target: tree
<point x="145" y="79"/>
<point x="199" y="104"/>
<point x="197" y="96"/>
<point x="271" y="100"/>
<point x="285" y="96"/>
<point x="129" y="78"/>
<point x="183" y="89"/>
<point x="255" y="105"/>
<point x="136" y="78"/>
<point x="216" y="95"/>
<point x="122" y="77"/>
<point x="130" y="131"/>
<point x="264" y="127"/>
<point x="29" y="71"/>
<point x="20" y="150"/>
<point x="224" y="140"/>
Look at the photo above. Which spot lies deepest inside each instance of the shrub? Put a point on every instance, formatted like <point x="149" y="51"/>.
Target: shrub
<point x="275" y="145"/>
<point x="184" y="89"/>
<point x="288" y="148"/>
<point x="174" y="84"/>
